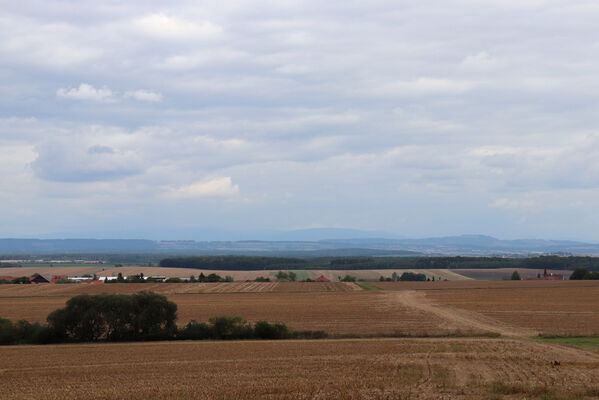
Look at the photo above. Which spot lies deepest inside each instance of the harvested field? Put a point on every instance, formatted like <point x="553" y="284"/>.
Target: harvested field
<point x="514" y="308"/>
<point x="341" y="369"/>
<point x="565" y="309"/>
<point x="506" y="273"/>
<point x="476" y="285"/>
<point x="362" y="313"/>
<point x="333" y="275"/>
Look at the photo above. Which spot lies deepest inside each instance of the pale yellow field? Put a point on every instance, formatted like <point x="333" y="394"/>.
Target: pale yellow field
<point x="333" y="275"/>
<point x="512" y="367"/>
<point x="522" y="308"/>
<point x="323" y="369"/>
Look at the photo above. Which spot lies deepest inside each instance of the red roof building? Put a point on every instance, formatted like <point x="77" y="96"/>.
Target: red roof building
<point x="321" y="278"/>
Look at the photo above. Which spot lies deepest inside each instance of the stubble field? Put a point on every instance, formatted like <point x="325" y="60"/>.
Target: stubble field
<point x="323" y="369"/>
<point x="512" y="366"/>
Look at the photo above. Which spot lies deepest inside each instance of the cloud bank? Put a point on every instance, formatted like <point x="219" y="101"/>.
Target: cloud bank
<point x="420" y="119"/>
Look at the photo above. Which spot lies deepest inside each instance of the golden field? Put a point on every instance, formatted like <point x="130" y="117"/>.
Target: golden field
<point x="367" y="366"/>
<point x="320" y="369"/>
<point x="526" y="308"/>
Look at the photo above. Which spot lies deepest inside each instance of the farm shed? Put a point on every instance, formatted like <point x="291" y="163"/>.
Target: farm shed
<point x="39" y="279"/>
<point x="321" y="278"/>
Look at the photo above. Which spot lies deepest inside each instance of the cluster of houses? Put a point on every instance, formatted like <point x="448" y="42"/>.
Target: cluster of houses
<point x="547" y="277"/>
<point x="44" y="278"/>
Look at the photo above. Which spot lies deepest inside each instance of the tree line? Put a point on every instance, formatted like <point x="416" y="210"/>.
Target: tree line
<point x="138" y="317"/>
<point x="244" y="263"/>
<point x="584" y="274"/>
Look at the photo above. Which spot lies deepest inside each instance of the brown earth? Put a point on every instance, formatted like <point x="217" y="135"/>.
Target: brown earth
<point x="562" y="309"/>
<point x="512" y="308"/>
<point x="435" y="368"/>
<point x="324" y="369"/>
<point x="333" y="275"/>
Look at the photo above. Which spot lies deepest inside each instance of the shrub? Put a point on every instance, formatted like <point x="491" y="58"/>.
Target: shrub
<point x="65" y="280"/>
<point x="227" y="328"/>
<point x="22" y="280"/>
<point x="410" y="276"/>
<point x="276" y="330"/>
<point x="515" y="276"/>
<point x="195" y="331"/>
<point x="8" y="332"/>
<point x="583" y="273"/>
<point x="115" y="317"/>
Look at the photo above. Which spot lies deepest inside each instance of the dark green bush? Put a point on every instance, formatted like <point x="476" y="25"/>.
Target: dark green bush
<point x="276" y="330"/>
<point x="115" y="317"/>
<point x="229" y="328"/>
<point x="8" y="332"/>
<point x="65" y="280"/>
<point x="410" y="276"/>
<point x="195" y="331"/>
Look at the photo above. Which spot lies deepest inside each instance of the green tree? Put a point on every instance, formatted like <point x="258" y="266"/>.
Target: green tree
<point x="579" y="274"/>
<point x="282" y="276"/>
<point x="141" y="316"/>
<point x="8" y="332"/>
<point x="515" y="276"/>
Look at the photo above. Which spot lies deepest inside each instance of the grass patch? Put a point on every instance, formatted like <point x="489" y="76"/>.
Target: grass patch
<point x="367" y="286"/>
<point x="499" y="388"/>
<point x="588" y="342"/>
<point x="407" y="335"/>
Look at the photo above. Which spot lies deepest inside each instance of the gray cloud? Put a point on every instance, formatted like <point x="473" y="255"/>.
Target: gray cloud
<point x="408" y="108"/>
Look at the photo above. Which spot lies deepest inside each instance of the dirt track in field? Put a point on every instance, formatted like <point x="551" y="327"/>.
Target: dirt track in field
<point x="457" y="318"/>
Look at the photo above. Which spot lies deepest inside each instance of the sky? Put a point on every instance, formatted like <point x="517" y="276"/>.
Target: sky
<point x="155" y="119"/>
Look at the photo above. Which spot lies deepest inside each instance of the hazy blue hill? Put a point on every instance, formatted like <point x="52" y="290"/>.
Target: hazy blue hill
<point x="39" y="246"/>
<point x="371" y="246"/>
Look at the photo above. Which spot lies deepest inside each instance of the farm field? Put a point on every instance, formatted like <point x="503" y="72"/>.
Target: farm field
<point x="563" y="310"/>
<point x="109" y="270"/>
<point x="512" y="308"/>
<point x="363" y="364"/>
<point x="323" y="369"/>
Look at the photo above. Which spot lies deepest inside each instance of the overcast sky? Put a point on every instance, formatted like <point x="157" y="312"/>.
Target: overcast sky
<point x="421" y="118"/>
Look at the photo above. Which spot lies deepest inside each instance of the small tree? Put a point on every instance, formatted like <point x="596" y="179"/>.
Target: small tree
<point x="282" y="276"/>
<point x="515" y="276"/>
<point x="579" y="273"/>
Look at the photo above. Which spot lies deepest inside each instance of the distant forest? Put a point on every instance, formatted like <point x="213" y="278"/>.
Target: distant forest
<point x="249" y="263"/>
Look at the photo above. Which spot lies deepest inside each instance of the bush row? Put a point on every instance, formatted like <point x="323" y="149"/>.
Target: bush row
<point x="137" y="317"/>
<point x="584" y="274"/>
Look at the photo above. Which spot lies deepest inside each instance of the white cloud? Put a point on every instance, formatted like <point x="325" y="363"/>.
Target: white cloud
<point x="144" y="95"/>
<point x="427" y="86"/>
<point x="173" y="28"/>
<point x="479" y="61"/>
<point x="512" y="203"/>
<point x="87" y="92"/>
<point x="216" y="187"/>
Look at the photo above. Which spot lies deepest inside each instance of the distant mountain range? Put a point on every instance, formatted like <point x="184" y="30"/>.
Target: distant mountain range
<point x="294" y="244"/>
